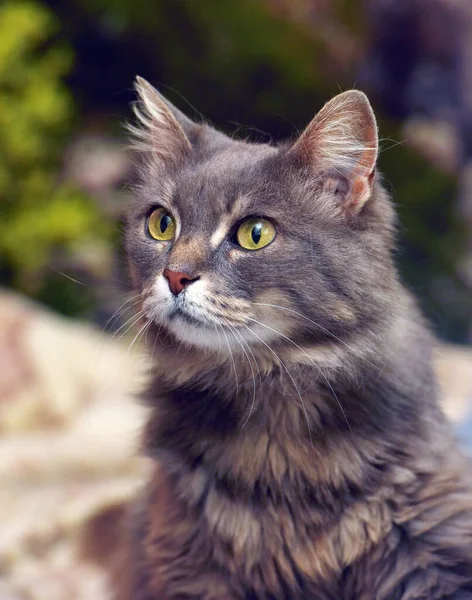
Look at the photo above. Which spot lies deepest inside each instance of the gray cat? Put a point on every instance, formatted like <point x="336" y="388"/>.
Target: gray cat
<point x="299" y="451"/>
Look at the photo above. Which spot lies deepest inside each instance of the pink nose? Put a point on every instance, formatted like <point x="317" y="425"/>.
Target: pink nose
<point x="178" y="280"/>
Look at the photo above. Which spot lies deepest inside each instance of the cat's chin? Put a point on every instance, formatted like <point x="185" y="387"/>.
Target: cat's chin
<point x="218" y="338"/>
<point x="196" y="334"/>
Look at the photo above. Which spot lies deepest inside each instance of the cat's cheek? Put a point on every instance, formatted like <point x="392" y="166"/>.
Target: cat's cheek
<point x="275" y="308"/>
<point x="135" y="276"/>
<point x="158" y="303"/>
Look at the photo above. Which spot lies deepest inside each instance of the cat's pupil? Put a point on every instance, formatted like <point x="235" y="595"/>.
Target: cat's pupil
<point x="165" y="222"/>
<point x="256" y="233"/>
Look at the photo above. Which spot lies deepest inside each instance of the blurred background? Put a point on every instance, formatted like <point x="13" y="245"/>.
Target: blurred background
<point x="261" y="68"/>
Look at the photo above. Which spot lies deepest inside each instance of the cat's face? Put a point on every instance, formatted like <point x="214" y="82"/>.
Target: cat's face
<point x="234" y="244"/>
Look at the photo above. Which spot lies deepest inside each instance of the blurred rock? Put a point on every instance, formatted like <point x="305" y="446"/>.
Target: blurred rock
<point x="454" y="371"/>
<point x="51" y="368"/>
<point x="70" y="448"/>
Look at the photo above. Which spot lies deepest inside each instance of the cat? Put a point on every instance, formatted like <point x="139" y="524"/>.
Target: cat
<point x="298" y="447"/>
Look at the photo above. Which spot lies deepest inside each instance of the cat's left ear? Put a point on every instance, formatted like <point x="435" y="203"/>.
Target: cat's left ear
<point x="163" y="129"/>
<point x="341" y="146"/>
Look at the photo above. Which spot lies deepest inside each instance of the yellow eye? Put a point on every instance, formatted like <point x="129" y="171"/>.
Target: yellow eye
<point x="161" y="225"/>
<point x="254" y="234"/>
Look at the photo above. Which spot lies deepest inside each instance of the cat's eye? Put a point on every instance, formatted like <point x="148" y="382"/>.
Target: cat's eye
<point x="161" y="225"/>
<point x="254" y="234"/>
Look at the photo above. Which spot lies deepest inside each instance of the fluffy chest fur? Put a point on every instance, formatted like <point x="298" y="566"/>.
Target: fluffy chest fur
<point x="269" y="513"/>
<point x="234" y="550"/>
<point x="376" y="547"/>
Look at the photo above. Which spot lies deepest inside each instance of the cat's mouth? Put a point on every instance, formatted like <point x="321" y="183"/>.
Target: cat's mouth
<point x="199" y="330"/>
<point x="180" y="313"/>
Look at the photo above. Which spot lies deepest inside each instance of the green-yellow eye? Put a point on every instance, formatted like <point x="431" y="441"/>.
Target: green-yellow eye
<point x="161" y="225"/>
<point x="254" y="234"/>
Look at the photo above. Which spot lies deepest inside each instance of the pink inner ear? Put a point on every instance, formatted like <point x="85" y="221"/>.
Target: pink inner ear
<point x="353" y="193"/>
<point x="368" y="158"/>
<point x="359" y="193"/>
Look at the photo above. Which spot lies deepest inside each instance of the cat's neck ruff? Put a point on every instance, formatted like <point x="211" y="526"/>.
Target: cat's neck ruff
<point x="287" y="424"/>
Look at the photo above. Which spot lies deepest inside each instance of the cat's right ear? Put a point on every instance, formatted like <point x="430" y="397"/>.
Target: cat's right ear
<point x="340" y="147"/>
<point x="162" y="129"/>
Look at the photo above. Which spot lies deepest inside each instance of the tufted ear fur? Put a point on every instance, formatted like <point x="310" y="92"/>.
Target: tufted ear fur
<point x="162" y="129"/>
<point x="341" y="146"/>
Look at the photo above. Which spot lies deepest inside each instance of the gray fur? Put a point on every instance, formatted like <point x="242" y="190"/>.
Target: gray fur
<point x="313" y="463"/>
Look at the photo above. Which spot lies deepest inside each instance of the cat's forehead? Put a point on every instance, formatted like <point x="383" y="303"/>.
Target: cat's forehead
<point x="220" y="182"/>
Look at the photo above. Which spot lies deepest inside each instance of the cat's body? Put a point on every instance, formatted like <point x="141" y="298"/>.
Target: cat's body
<point x="299" y="451"/>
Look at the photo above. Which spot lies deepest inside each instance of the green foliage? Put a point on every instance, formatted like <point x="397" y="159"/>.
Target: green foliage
<point x="39" y="214"/>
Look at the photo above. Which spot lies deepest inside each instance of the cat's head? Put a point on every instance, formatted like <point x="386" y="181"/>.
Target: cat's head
<point x="240" y="244"/>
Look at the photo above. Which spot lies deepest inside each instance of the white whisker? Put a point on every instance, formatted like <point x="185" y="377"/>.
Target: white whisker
<point x="291" y="379"/>
<point x="313" y="363"/>
<point x="157" y="337"/>
<point x="121" y="310"/>
<point x="232" y="359"/>
<point x="136" y="337"/>
<point x="133" y="320"/>
<point x="240" y="340"/>
<point x="323" y="329"/>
